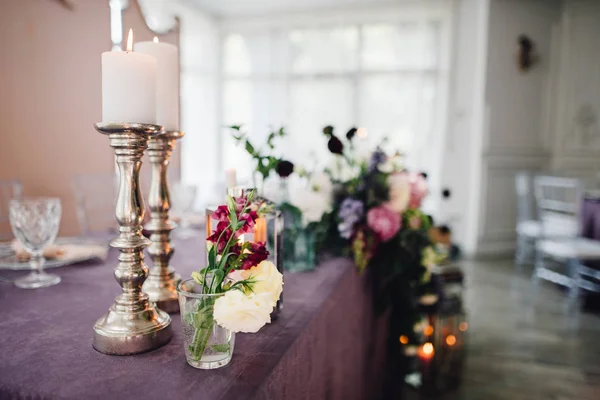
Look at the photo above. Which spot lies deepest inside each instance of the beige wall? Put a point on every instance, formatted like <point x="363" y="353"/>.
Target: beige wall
<point x="50" y="94"/>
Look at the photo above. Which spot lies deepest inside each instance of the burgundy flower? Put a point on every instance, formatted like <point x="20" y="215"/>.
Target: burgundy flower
<point x="258" y="253"/>
<point x="240" y="202"/>
<point x="284" y="168"/>
<point x="249" y="221"/>
<point x="221" y="213"/>
<point x="222" y="234"/>
<point x="335" y="145"/>
<point x="384" y="222"/>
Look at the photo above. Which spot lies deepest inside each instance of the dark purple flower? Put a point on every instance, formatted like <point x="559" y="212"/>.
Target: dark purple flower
<point x="335" y="145"/>
<point x="284" y="168"/>
<point x="350" y="134"/>
<point x="378" y="157"/>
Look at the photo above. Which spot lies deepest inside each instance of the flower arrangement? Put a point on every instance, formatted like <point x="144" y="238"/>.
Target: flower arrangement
<point x="237" y="290"/>
<point x="377" y="219"/>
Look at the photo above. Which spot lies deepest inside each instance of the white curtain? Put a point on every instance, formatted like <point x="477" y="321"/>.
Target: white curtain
<point x="387" y="77"/>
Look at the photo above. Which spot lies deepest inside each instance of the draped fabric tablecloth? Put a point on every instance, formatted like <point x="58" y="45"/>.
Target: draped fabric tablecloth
<point x="327" y="343"/>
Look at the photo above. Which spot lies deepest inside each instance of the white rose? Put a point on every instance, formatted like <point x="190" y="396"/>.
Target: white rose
<point x="399" y="184"/>
<point x="268" y="280"/>
<point x="241" y="313"/>
<point x="315" y="200"/>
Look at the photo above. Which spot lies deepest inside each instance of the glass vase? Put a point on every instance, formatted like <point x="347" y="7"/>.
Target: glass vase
<point x="298" y="241"/>
<point x="207" y="345"/>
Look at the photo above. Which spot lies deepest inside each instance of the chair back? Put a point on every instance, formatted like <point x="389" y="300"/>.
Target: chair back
<point x="95" y="197"/>
<point x="9" y="189"/>
<point x="526" y="207"/>
<point x="558" y="202"/>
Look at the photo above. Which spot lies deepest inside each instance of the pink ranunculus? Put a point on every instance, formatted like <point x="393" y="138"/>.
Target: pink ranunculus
<point x="418" y="190"/>
<point x="384" y="222"/>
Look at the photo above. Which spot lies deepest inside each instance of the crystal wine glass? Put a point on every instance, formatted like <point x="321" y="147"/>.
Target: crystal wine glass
<point x="183" y="198"/>
<point x="35" y="224"/>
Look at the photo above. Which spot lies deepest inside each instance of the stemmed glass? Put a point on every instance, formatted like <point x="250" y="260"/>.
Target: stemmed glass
<point x="35" y="224"/>
<point x="183" y="198"/>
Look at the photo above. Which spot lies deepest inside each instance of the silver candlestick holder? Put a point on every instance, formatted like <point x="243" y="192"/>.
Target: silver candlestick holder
<point x="161" y="285"/>
<point x="133" y="324"/>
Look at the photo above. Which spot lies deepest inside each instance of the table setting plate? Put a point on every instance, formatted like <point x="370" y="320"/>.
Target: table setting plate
<point x="77" y="250"/>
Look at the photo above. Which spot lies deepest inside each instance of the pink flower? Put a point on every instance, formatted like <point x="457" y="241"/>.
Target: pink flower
<point x="418" y="190"/>
<point x="384" y="222"/>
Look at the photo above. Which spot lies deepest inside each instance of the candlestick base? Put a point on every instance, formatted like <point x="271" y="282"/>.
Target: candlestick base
<point x="132" y="324"/>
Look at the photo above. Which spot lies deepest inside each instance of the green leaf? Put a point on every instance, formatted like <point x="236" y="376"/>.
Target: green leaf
<point x="235" y="127"/>
<point x="218" y="278"/>
<point x="212" y="256"/>
<point x="221" y="348"/>
<point x="250" y="148"/>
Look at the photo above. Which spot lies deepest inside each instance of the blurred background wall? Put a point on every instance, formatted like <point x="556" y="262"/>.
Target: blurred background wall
<point x="50" y="94"/>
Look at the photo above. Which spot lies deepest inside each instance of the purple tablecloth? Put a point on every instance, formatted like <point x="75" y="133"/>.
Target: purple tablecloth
<point x="590" y="218"/>
<point x="327" y="344"/>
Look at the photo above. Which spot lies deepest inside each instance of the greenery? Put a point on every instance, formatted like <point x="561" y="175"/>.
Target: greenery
<point x="264" y="161"/>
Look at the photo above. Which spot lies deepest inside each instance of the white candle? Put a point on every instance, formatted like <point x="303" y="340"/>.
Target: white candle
<point x="230" y="178"/>
<point x="167" y="81"/>
<point x="128" y="86"/>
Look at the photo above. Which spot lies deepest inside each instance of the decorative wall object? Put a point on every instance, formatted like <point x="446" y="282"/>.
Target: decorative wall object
<point x="526" y="56"/>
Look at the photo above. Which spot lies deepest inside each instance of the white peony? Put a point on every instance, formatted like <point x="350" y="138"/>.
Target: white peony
<point x="399" y="184"/>
<point x="243" y="313"/>
<point x="268" y="280"/>
<point x="316" y="200"/>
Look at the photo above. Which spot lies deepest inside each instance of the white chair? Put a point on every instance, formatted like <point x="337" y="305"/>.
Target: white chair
<point x="528" y="227"/>
<point x="9" y="189"/>
<point x="559" y="201"/>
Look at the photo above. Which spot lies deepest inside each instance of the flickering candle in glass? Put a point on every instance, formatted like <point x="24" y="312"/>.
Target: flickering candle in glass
<point x="167" y="81"/>
<point x="128" y="86"/>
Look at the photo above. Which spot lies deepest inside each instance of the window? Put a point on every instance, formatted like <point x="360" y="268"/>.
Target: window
<point x="388" y="77"/>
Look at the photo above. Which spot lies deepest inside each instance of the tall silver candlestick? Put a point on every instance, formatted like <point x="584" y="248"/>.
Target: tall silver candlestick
<point x="161" y="285"/>
<point x="133" y="324"/>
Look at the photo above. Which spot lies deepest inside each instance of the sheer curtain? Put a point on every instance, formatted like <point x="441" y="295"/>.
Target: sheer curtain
<point x="388" y="76"/>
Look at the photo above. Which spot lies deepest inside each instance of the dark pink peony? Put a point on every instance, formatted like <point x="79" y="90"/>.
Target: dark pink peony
<point x="418" y="190"/>
<point x="384" y="222"/>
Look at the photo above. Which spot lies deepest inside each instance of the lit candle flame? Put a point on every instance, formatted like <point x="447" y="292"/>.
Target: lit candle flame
<point x="155" y="39"/>
<point x="130" y="40"/>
